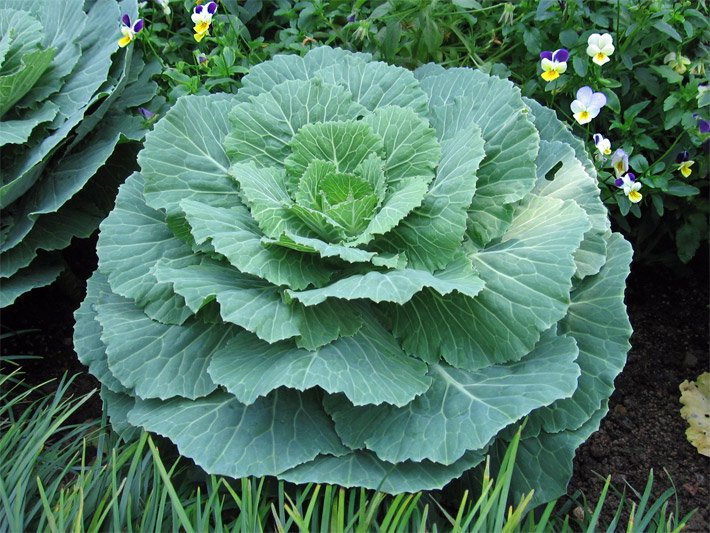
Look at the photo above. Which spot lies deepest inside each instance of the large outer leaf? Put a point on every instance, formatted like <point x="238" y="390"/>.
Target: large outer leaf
<point x="226" y="437"/>
<point x="552" y="129"/>
<point x="465" y="410"/>
<point x="598" y="321"/>
<point x="77" y="94"/>
<point x="458" y="97"/>
<point x="398" y="286"/>
<point x="87" y="334"/>
<point x="158" y="360"/>
<point x="43" y="272"/>
<point x="364" y="469"/>
<point x="369" y="367"/>
<point x="19" y="131"/>
<point x="133" y="238"/>
<point x="544" y="463"/>
<point x="184" y="158"/>
<point x="269" y="74"/>
<point x="527" y="279"/>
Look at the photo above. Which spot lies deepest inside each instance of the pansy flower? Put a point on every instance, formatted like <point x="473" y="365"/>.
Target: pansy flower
<point x="129" y="30"/>
<point x="703" y="125"/>
<point x="684" y="163"/>
<point x="600" y="47"/>
<point x="602" y="143"/>
<point x="553" y="63"/>
<point x="202" y="18"/>
<point x="587" y="105"/>
<point x="630" y="186"/>
<point x="677" y="62"/>
<point x="620" y="162"/>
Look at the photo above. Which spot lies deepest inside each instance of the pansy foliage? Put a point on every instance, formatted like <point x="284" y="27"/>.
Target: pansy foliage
<point x="351" y="273"/>
<point x="67" y="100"/>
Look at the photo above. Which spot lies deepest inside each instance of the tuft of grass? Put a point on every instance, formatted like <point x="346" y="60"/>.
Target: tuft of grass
<point x="56" y="476"/>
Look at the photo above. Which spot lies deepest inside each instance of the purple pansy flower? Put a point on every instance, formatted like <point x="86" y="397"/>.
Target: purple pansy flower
<point x="129" y="30"/>
<point x="146" y="113"/>
<point x="553" y="63"/>
<point x="202" y="18"/>
<point x="703" y="125"/>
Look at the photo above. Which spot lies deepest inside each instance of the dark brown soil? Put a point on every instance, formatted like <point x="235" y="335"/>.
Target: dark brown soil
<point x="643" y="431"/>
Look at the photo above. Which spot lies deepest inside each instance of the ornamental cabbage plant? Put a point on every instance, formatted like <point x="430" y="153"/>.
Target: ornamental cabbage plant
<point x="351" y="273"/>
<point x="68" y="98"/>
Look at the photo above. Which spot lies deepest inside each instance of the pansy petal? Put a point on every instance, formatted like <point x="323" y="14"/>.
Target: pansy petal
<point x="593" y="39"/>
<point x="138" y="26"/>
<point x="561" y="68"/>
<point x="561" y="55"/>
<point x="577" y="107"/>
<point x="126" y="20"/>
<point x="584" y="94"/>
<point x="608" y="49"/>
<point x="546" y="64"/>
<point x="597" y="101"/>
<point x="619" y="182"/>
<point x="212" y="7"/>
<point x="546" y="55"/>
<point x="604" y="40"/>
<point x="597" y="138"/>
<point x="198" y="9"/>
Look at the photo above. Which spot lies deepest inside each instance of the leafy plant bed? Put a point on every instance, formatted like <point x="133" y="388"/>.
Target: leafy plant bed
<point x="669" y="312"/>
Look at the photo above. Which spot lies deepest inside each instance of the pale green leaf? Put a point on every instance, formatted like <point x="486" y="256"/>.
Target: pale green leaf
<point x="243" y="300"/>
<point x="544" y="463"/>
<point x="598" y="321"/>
<point x="462" y="410"/>
<point x="39" y="273"/>
<point x="396" y="286"/>
<point x="410" y="145"/>
<point x="364" y="469"/>
<point x="376" y="84"/>
<point x="269" y="74"/>
<point x="346" y="144"/>
<point x="19" y="131"/>
<point x="225" y="437"/>
<point x="87" y="334"/>
<point x="368" y="367"/>
<point x="263" y="127"/>
<point x="264" y="191"/>
<point x="432" y="233"/>
<point x="234" y="234"/>
<point x="183" y="157"/>
<point x="15" y="85"/>
<point x="571" y="182"/>
<point x="326" y="250"/>
<point x="459" y="97"/>
<point x="134" y="238"/>
<point x="553" y="129"/>
<point x="527" y="278"/>
<point x="154" y="359"/>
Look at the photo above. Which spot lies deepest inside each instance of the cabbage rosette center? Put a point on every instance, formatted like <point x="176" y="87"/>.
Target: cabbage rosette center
<point x="351" y="273"/>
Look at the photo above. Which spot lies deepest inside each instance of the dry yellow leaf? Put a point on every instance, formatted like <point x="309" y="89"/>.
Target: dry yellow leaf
<point x="695" y="397"/>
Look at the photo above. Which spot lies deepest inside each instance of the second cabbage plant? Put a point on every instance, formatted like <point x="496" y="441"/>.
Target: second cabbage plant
<point x="351" y="273"/>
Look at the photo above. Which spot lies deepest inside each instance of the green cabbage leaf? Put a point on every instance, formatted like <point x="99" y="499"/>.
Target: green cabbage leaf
<point x="61" y="77"/>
